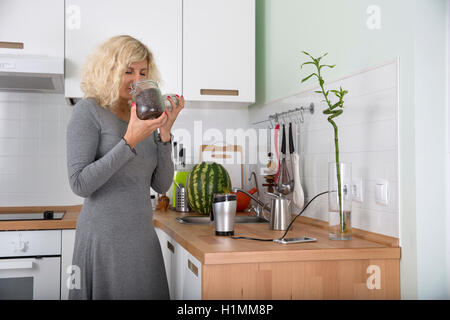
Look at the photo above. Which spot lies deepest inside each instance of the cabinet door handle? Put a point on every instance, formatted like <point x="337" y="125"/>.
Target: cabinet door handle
<point x="218" y="92"/>
<point x="11" y="45"/>
<point x="192" y="267"/>
<point x="171" y="247"/>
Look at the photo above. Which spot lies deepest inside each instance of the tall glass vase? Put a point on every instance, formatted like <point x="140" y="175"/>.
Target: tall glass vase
<point x="339" y="201"/>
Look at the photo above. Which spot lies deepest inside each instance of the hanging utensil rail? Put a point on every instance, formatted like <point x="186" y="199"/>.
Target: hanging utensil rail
<point x="275" y="116"/>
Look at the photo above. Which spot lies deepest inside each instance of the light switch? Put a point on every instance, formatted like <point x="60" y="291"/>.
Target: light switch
<point x="381" y="191"/>
<point x="357" y="190"/>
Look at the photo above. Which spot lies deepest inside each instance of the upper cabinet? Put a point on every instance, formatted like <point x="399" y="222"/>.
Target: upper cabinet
<point x="156" y="23"/>
<point x="32" y="27"/>
<point x="205" y="49"/>
<point x="219" y="50"/>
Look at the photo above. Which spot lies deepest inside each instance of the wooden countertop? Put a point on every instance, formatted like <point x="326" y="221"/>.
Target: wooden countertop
<point x="69" y="221"/>
<point x="202" y="243"/>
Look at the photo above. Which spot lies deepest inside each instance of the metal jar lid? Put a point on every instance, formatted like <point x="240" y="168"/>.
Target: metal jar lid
<point x="222" y="197"/>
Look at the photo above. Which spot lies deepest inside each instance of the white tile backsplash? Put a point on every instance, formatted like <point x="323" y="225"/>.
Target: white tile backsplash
<point x="10" y="128"/>
<point x="9" y="147"/>
<point x="368" y="138"/>
<point x="10" y="109"/>
<point x="29" y="129"/>
<point x="32" y="150"/>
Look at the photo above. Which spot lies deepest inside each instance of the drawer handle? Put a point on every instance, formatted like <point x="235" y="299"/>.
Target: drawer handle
<point x="10" y="265"/>
<point x="218" y="92"/>
<point x="192" y="267"/>
<point x="11" y="45"/>
<point x="171" y="247"/>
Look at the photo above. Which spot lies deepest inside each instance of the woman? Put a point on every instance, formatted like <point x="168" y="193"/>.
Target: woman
<point x="113" y="159"/>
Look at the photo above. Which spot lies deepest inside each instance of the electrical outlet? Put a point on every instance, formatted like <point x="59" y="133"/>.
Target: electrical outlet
<point x="382" y="192"/>
<point x="358" y="190"/>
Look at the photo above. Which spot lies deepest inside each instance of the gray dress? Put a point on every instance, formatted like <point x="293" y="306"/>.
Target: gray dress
<point x="116" y="247"/>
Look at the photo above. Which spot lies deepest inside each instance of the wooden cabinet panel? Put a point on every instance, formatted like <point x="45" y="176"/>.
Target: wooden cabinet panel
<point x="344" y="279"/>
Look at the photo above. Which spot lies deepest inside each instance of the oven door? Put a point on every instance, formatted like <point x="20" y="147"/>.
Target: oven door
<point x="30" y="278"/>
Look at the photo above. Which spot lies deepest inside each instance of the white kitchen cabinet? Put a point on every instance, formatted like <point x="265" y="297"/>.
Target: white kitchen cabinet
<point x="67" y="246"/>
<point x="219" y="50"/>
<point x="168" y="251"/>
<point x="183" y="270"/>
<point x="158" y="24"/>
<point x="38" y="25"/>
<point x="192" y="277"/>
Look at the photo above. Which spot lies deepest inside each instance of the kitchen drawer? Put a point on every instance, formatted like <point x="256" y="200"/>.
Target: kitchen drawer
<point x="30" y="243"/>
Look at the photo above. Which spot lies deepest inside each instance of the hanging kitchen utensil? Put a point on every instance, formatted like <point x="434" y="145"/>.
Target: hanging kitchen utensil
<point x="277" y="129"/>
<point x="181" y="155"/>
<point x="291" y="151"/>
<point x="175" y="153"/>
<point x="284" y="186"/>
<point x="298" y="195"/>
<point x="282" y="178"/>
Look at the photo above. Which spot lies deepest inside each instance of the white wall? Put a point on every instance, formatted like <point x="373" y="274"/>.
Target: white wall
<point x="432" y="192"/>
<point x="414" y="32"/>
<point x="448" y="130"/>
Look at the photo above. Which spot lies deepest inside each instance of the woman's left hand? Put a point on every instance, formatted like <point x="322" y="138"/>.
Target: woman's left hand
<point x="171" y="117"/>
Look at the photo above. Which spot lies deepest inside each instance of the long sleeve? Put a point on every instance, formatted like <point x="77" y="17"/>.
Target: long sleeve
<point x="86" y="174"/>
<point x="163" y="175"/>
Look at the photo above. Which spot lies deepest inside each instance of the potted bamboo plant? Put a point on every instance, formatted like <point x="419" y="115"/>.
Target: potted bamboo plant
<point x="339" y="173"/>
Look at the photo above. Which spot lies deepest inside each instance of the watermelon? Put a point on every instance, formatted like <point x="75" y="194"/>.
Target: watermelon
<point x="206" y="179"/>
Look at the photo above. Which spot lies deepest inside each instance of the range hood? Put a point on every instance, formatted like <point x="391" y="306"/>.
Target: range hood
<point x="31" y="73"/>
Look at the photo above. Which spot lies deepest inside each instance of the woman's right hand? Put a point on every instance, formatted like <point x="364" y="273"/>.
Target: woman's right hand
<point x="139" y="129"/>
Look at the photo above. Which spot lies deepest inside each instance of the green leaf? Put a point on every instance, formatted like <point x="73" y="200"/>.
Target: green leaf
<point x="318" y="59"/>
<point x="326" y="65"/>
<point x="308" y="54"/>
<point x="313" y="74"/>
<point x="309" y="62"/>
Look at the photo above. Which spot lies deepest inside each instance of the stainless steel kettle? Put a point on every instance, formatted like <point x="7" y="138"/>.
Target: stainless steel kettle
<point x="280" y="214"/>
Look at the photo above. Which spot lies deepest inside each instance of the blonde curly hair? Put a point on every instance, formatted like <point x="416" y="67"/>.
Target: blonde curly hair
<point x="103" y="72"/>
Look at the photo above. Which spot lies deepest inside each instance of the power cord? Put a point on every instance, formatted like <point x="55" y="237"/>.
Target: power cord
<point x="290" y="224"/>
